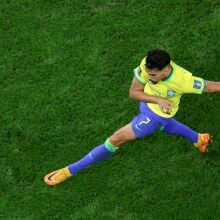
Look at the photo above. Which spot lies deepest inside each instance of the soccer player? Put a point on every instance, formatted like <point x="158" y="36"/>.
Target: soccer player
<point x="158" y="85"/>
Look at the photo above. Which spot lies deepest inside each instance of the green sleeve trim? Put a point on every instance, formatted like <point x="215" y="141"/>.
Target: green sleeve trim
<point x="138" y="78"/>
<point x="204" y="85"/>
<point x="110" y="147"/>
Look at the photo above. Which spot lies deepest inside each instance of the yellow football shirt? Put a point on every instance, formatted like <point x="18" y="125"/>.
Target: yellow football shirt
<point x="179" y="82"/>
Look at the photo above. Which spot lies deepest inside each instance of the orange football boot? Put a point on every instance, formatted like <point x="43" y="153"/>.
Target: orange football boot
<point x="203" y="141"/>
<point x="57" y="176"/>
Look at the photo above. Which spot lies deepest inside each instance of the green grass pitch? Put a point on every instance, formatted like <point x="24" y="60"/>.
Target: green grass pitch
<point x="65" y="72"/>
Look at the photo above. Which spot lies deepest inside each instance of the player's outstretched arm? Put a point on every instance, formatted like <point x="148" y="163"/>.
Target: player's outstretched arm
<point x="211" y="87"/>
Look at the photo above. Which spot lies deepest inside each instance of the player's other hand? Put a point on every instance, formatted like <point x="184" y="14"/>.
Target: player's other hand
<point x="165" y="105"/>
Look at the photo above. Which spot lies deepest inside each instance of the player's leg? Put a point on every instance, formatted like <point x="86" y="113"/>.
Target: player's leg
<point x="105" y="150"/>
<point x="179" y="129"/>
<point x="99" y="153"/>
<point x="141" y="126"/>
<point x="200" y="141"/>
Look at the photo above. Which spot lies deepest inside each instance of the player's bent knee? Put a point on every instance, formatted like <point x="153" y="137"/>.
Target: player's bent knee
<point x="117" y="139"/>
<point x="122" y="135"/>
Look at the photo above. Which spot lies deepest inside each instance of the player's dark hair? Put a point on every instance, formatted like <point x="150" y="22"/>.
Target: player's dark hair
<point x="157" y="59"/>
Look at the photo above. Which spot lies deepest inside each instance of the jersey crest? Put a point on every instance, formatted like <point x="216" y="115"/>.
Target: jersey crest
<point x="171" y="93"/>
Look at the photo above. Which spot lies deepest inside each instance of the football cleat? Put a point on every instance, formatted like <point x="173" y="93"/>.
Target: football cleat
<point x="203" y="141"/>
<point x="57" y="176"/>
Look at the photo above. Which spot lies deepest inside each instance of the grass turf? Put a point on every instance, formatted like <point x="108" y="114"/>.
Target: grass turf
<point x="65" y="74"/>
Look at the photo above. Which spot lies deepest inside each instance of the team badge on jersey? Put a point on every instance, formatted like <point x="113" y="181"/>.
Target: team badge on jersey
<point x="171" y="93"/>
<point x="197" y="84"/>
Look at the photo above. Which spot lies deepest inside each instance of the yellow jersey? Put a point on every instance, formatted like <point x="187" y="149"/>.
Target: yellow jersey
<point x="179" y="82"/>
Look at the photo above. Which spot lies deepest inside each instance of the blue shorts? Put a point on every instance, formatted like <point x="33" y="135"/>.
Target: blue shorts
<point x="147" y="122"/>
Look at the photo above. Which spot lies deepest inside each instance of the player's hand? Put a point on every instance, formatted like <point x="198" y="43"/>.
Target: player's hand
<point x="165" y="105"/>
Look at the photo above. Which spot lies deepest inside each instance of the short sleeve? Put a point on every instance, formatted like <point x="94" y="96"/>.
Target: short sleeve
<point x="139" y="73"/>
<point x="192" y="84"/>
<point x="139" y="76"/>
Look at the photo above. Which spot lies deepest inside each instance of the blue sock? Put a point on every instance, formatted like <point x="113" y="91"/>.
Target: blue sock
<point x="98" y="154"/>
<point x="177" y="128"/>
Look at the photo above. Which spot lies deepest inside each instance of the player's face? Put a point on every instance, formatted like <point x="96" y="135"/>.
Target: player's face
<point x="155" y="75"/>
